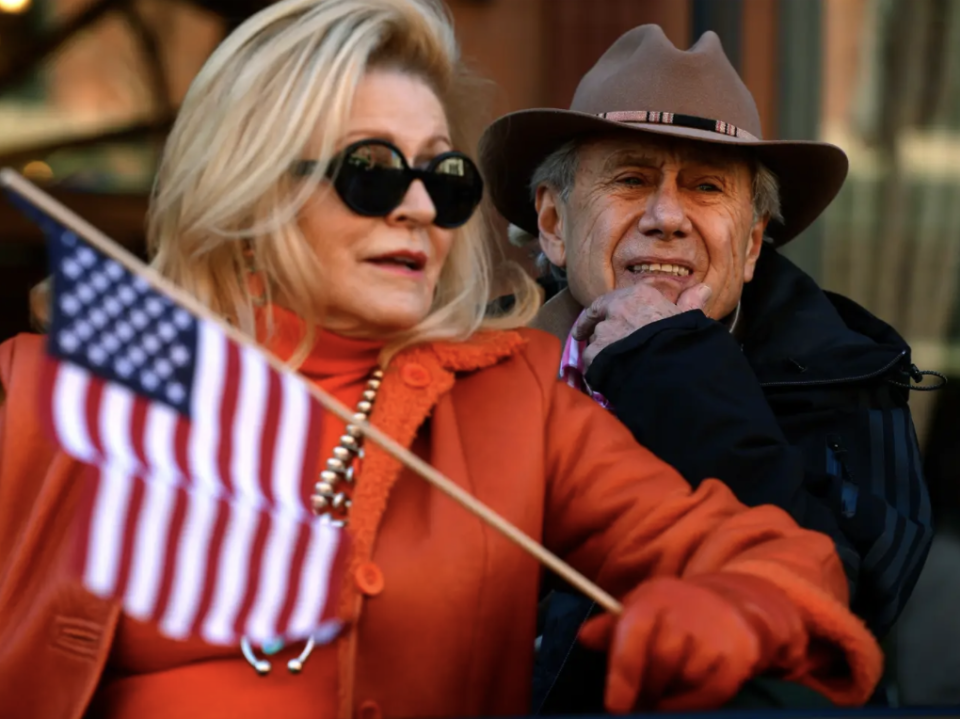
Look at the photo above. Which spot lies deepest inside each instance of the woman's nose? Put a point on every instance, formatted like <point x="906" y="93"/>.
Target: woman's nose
<point x="416" y="207"/>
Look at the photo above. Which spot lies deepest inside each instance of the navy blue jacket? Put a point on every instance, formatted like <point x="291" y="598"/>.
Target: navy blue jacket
<point x="804" y="407"/>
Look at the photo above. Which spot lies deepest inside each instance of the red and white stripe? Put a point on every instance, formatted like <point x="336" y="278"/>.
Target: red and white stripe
<point x="201" y="525"/>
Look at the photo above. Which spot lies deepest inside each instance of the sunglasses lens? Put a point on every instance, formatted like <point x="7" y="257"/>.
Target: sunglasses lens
<point x="455" y="187"/>
<point x="372" y="179"/>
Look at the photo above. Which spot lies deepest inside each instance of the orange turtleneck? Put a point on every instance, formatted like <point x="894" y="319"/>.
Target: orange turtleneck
<point x="339" y="365"/>
<point x="149" y="676"/>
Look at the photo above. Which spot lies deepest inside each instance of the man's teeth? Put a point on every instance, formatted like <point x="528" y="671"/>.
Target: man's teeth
<point x="665" y="268"/>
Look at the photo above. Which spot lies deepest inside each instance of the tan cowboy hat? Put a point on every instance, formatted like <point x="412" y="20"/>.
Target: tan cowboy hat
<point x="645" y="84"/>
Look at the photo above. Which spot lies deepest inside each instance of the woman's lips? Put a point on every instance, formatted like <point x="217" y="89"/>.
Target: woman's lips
<point x="406" y="263"/>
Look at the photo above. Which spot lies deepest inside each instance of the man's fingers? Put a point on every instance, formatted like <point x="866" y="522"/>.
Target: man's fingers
<point x="585" y="324"/>
<point x="639" y="295"/>
<point x="590" y="354"/>
<point x="694" y="298"/>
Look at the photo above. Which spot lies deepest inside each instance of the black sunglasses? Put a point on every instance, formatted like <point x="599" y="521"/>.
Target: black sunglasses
<point x="372" y="177"/>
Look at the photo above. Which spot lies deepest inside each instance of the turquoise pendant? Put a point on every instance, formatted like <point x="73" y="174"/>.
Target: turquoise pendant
<point x="272" y="647"/>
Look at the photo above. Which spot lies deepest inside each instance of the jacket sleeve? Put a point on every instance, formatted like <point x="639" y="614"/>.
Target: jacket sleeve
<point x="24" y="448"/>
<point x="620" y="515"/>
<point x="684" y="383"/>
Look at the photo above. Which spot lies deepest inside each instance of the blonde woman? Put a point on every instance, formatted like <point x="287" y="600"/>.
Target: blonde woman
<point x="316" y="192"/>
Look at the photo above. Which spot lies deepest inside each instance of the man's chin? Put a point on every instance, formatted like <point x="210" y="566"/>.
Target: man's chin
<point x="670" y="287"/>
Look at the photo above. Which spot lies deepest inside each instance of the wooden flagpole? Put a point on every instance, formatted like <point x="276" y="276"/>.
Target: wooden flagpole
<point x="66" y="217"/>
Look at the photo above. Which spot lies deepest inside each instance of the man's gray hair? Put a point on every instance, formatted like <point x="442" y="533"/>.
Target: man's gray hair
<point x="559" y="172"/>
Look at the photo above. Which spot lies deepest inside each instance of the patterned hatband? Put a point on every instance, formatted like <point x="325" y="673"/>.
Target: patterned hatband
<point x="672" y="118"/>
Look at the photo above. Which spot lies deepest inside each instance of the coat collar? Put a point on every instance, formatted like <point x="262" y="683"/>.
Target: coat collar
<point x="558" y="315"/>
<point x="483" y="350"/>
<point x="794" y="332"/>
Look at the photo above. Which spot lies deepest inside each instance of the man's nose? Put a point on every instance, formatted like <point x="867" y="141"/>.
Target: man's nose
<point x="665" y="216"/>
<point x="416" y="207"/>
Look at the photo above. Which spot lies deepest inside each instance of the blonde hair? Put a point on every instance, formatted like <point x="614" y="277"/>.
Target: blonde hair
<point x="224" y="197"/>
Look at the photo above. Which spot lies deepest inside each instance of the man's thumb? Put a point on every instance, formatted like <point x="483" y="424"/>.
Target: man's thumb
<point x="694" y="299"/>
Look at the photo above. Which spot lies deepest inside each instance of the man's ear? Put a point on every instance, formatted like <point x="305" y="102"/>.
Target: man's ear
<point x="550" y="224"/>
<point x="754" y="245"/>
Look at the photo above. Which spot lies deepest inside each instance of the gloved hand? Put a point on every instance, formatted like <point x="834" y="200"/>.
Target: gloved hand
<point x="691" y="644"/>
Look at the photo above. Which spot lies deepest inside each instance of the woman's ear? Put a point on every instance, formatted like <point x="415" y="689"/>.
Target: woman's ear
<point x="550" y="224"/>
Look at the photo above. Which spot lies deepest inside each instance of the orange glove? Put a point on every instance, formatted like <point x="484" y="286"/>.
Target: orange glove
<point x="691" y="644"/>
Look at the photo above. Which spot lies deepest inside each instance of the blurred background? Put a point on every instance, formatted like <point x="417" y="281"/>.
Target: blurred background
<point x="88" y="89"/>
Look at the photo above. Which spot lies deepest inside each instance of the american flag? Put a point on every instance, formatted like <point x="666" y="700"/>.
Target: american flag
<point x="199" y="458"/>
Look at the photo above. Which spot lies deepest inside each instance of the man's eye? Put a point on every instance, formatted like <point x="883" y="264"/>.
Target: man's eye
<point x="708" y="187"/>
<point x="631" y="180"/>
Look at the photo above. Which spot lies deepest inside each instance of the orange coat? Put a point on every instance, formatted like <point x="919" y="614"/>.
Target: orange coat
<point x="443" y="607"/>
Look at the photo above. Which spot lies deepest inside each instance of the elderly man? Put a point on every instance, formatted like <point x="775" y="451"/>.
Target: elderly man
<point x="657" y="202"/>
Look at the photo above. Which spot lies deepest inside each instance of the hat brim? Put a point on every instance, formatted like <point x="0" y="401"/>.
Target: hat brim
<point x="810" y="173"/>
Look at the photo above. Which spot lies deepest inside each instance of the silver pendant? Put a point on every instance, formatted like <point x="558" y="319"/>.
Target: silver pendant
<point x="263" y="667"/>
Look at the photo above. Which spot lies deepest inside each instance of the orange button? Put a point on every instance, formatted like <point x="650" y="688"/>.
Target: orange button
<point x="369" y="710"/>
<point x="369" y="579"/>
<point x="415" y="375"/>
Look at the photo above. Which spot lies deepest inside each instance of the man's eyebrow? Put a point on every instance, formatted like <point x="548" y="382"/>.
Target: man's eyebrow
<point x="627" y="158"/>
<point x="717" y="162"/>
<point x="712" y="157"/>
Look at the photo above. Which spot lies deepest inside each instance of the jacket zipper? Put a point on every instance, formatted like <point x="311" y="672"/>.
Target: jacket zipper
<point x="809" y="383"/>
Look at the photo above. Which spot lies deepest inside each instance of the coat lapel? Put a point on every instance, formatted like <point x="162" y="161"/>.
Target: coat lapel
<point x="413" y="383"/>
<point x="558" y="315"/>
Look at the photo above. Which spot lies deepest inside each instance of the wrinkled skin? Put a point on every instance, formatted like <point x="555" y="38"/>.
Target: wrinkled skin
<point x="651" y="200"/>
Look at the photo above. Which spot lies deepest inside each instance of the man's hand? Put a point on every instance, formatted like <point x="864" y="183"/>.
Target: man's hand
<point x="620" y="313"/>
